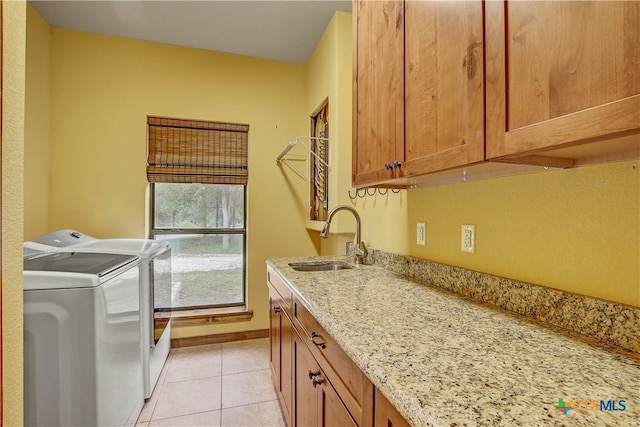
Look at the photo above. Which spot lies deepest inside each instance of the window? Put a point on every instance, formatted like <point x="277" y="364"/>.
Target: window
<point x="198" y="172"/>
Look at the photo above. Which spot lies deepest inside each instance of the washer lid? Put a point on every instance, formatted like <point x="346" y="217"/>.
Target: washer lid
<point x="64" y="238"/>
<point x="142" y="247"/>
<point x="98" y="264"/>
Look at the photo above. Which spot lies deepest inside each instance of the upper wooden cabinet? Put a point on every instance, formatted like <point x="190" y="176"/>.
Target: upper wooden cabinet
<point x="418" y="88"/>
<point x="554" y="83"/>
<point x="444" y="86"/>
<point x="560" y="74"/>
<point x="378" y="90"/>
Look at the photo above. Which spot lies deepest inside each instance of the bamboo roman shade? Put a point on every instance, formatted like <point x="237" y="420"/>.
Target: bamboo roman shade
<point x="192" y="151"/>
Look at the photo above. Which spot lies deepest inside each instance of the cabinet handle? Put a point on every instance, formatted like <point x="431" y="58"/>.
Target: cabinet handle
<point x="313" y="340"/>
<point x="313" y="374"/>
<point x="317" y="382"/>
<point x="391" y="166"/>
<point x="276" y="309"/>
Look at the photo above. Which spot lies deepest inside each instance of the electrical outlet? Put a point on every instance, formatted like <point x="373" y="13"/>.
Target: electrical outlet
<point x="469" y="238"/>
<point x="421" y="233"/>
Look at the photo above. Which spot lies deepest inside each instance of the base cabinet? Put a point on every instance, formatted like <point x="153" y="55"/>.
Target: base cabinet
<point x="316" y="401"/>
<point x="280" y="345"/>
<point x="316" y="382"/>
<point x="301" y="379"/>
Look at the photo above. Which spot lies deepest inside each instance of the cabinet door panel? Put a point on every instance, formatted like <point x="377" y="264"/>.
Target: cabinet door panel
<point x="574" y="66"/>
<point x="386" y="415"/>
<point x="286" y="363"/>
<point x="560" y="73"/>
<point x="332" y="411"/>
<point x="280" y="339"/>
<point x="317" y="402"/>
<point x="352" y="385"/>
<point x="444" y="85"/>
<point x="306" y="396"/>
<point x="378" y="101"/>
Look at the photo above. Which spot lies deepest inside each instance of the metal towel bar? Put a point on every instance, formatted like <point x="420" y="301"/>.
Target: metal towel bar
<point x="285" y="157"/>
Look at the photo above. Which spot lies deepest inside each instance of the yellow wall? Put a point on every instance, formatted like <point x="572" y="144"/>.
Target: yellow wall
<point x="102" y="89"/>
<point x="329" y="74"/>
<point x="36" y="149"/>
<point x="575" y="230"/>
<point x="329" y="77"/>
<point x="13" y="132"/>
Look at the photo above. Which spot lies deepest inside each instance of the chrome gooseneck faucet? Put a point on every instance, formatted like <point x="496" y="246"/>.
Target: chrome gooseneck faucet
<point x="360" y="250"/>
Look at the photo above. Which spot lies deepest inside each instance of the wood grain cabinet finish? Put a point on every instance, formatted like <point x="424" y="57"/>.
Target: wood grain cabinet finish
<point x="418" y="88"/>
<point x="386" y="415"/>
<point x="444" y="86"/>
<point x="316" y="382"/>
<point x="441" y="86"/>
<point x="281" y="352"/>
<point x="317" y="402"/>
<point x="560" y="74"/>
<point x="378" y="89"/>
<point x="353" y="387"/>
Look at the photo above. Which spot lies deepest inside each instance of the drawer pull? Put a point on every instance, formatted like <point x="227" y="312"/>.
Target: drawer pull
<point x="313" y="374"/>
<point x="313" y="340"/>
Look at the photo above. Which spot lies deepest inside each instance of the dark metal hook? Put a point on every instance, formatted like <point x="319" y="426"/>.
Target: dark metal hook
<point x="366" y="192"/>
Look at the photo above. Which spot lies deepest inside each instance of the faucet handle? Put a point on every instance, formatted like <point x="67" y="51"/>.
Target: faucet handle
<point x="361" y="253"/>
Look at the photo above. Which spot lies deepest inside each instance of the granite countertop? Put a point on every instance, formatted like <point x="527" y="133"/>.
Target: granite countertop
<point x="443" y="360"/>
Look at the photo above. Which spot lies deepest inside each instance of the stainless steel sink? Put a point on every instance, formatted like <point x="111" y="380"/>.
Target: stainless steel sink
<point x="320" y="266"/>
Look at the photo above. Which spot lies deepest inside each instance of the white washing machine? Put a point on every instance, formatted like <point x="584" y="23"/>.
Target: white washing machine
<point x="82" y="340"/>
<point x="155" y="288"/>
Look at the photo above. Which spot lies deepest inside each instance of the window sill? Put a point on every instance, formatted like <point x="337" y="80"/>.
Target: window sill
<point x="210" y="316"/>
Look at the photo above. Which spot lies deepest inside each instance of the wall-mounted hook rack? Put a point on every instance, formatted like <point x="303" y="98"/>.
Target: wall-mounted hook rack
<point x="286" y="158"/>
<point x="371" y="191"/>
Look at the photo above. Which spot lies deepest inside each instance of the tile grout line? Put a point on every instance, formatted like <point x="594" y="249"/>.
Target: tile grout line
<point x="171" y="362"/>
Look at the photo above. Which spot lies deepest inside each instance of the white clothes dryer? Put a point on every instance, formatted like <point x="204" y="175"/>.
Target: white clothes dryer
<point x="82" y="340"/>
<point x="155" y="288"/>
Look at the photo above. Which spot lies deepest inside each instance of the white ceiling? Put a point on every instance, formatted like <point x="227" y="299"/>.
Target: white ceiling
<point x="273" y="29"/>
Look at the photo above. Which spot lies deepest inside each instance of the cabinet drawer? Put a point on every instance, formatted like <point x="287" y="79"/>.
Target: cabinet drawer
<point x="353" y="387"/>
<point x="281" y="287"/>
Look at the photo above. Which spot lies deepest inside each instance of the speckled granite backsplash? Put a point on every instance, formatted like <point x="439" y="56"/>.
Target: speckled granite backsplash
<point x="608" y="322"/>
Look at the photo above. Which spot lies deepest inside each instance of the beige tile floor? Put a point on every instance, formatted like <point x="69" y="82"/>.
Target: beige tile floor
<point x="215" y="385"/>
